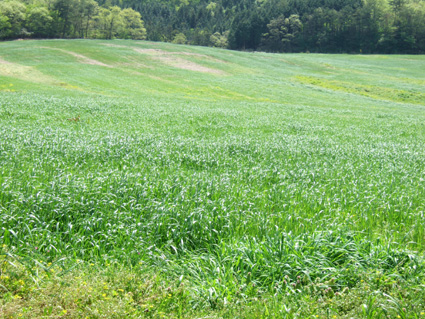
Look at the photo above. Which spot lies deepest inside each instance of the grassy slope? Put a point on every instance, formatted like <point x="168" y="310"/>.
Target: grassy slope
<point x="237" y="179"/>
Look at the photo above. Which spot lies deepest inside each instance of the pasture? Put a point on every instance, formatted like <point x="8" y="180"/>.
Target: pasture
<point x="142" y="179"/>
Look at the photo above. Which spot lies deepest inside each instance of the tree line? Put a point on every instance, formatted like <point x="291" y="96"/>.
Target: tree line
<point x="337" y="26"/>
<point x="68" y="19"/>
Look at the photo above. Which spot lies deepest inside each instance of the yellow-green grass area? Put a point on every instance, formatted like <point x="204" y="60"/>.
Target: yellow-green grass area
<point x="152" y="180"/>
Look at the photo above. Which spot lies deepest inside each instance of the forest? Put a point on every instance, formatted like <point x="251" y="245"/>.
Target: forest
<point x="328" y="26"/>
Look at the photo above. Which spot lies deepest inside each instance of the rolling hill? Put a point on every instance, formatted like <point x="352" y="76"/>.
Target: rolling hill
<point x="152" y="179"/>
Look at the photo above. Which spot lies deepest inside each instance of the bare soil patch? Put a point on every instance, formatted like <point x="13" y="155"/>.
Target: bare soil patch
<point x="4" y="61"/>
<point x="26" y="73"/>
<point x="188" y="65"/>
<point x="30" y="74"/>
<point x="114" y="45"/>
<point x="162" y="52"/>
<point x="173" y="59"/>
<point x="81" y="58"/>
<point x="134" y="64"/>
<point x="86" y="60"/>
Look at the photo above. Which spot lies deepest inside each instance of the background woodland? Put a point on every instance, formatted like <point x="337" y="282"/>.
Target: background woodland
<point x="334" y="26"/>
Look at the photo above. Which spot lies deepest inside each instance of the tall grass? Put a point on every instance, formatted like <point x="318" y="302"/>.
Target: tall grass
<point x="308" y="194"/>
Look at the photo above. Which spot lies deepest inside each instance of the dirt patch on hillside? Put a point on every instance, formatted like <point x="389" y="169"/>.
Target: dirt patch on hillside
<point x="86" y="60"/>
<point x="4" y="61"/>
<point x="174" y="59"/>
<point x="26" y="73"/>
<point x="162" y="52"/>
<point x="134" y="64"/>
<point x="114" y="45"/>
<point x="30" y="74"/>
<point x="81" y="58"/>
<point x="188" y="65"/>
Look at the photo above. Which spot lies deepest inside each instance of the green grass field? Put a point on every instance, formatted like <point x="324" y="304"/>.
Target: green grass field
<point x="151" y="180"/>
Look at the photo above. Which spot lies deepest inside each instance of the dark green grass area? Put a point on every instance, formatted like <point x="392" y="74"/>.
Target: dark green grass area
<point x="253" y="184"/>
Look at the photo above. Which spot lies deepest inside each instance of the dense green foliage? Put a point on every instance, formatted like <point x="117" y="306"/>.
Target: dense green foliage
<point x="248" y="176"/>
<point x="68" y="18"/>
<point x="352" y="26"/>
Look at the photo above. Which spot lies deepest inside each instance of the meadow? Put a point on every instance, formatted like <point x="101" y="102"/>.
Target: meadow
<point x="152" y="180"/>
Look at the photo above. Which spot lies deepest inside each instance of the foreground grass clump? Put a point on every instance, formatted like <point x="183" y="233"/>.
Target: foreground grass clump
<point x="251" y="184"/>
<point x="32" y="288"/>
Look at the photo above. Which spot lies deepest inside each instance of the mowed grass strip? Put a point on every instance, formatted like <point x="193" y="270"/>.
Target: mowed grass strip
<point x="281" y="186"/>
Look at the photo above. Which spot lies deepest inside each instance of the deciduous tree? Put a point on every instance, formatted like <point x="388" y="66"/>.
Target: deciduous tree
<point x="12" y="16"/>
<point x="132" y="26"/>
<point x="39" y="22"/>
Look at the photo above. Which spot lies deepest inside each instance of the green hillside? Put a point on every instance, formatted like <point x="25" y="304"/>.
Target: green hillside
<point x="142" y="179"/>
